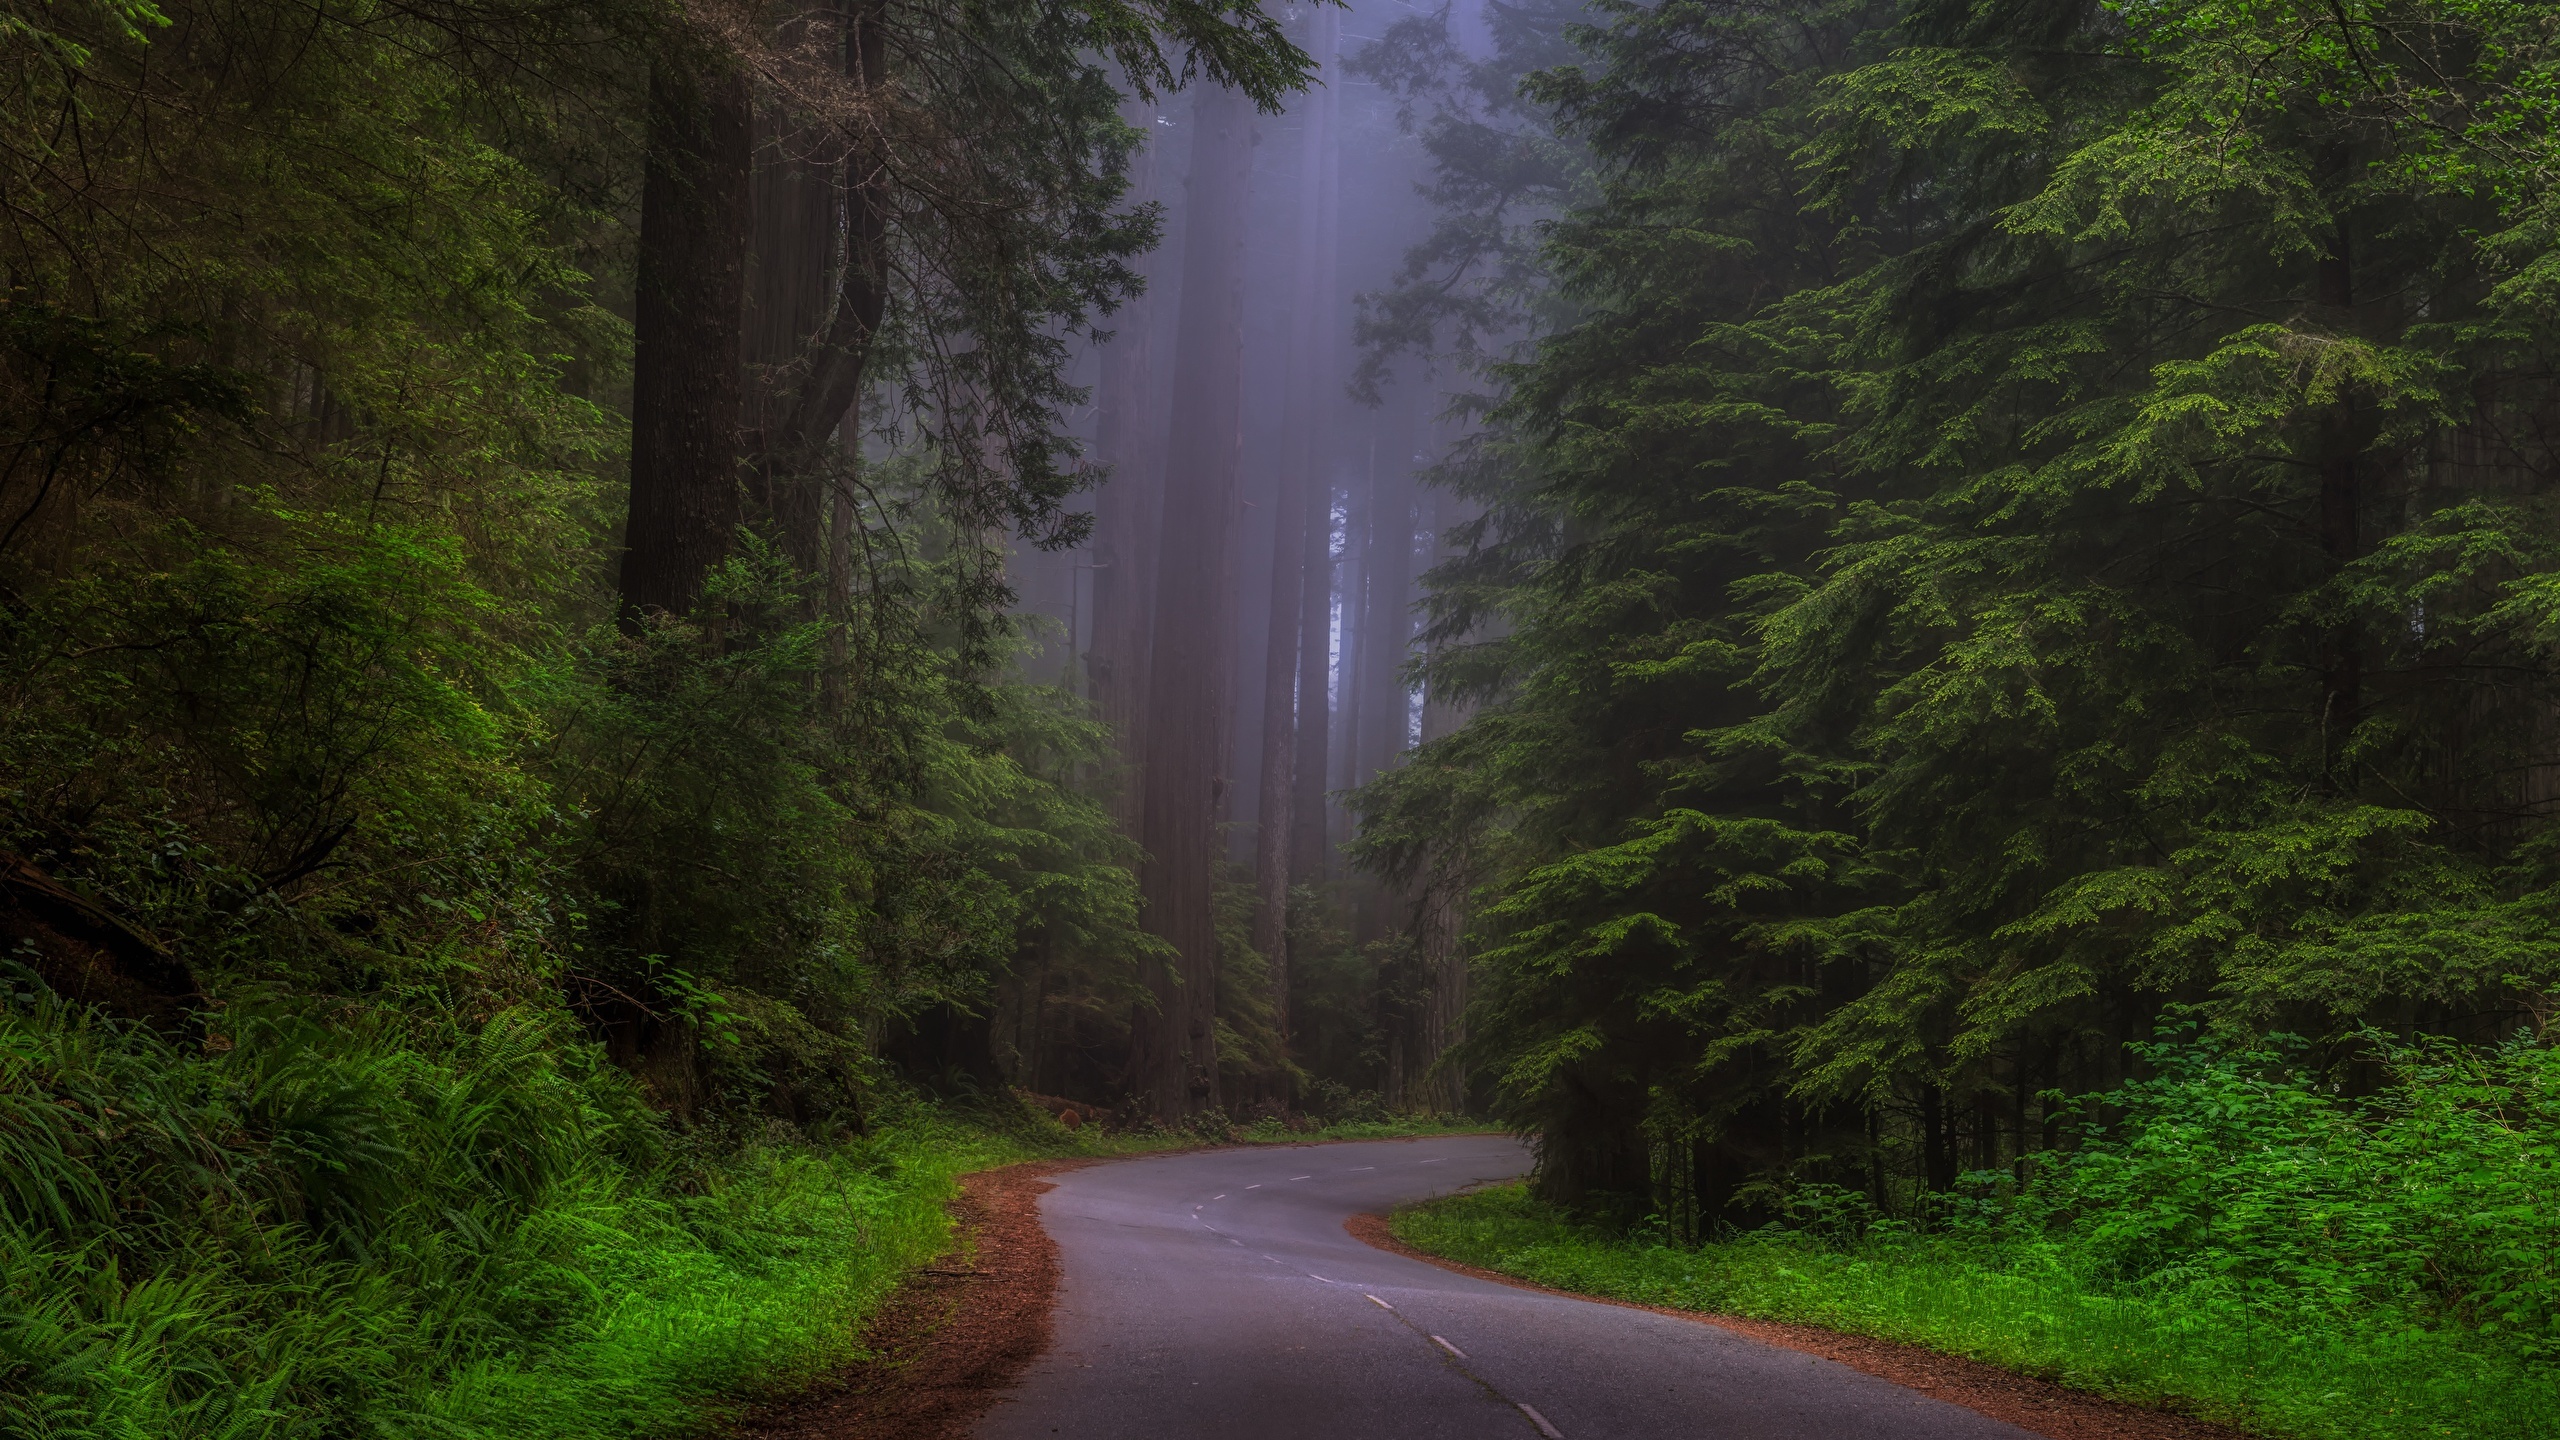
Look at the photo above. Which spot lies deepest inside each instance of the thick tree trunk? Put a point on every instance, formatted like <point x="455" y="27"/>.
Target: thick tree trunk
<point x="685" y="362"/>
<point x="825" y="398"/>
<point x="791" y="268"/>
<point x="1441" y="921"/>
<point x="1309" y="383"/>
<point x="1126" y="514"/>
<point x="1175" y="1046"/>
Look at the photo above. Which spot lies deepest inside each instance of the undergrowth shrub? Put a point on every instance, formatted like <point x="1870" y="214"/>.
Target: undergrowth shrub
<point x="2237" y="1238"/>
<point x="317" y="1222"/>
<point x="2234" y="1173"/>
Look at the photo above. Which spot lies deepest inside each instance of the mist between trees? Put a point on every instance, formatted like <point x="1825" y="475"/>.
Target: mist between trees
<point x="1814" y="604"/>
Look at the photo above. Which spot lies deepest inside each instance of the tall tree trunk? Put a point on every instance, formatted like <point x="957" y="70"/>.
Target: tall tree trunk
<point x="1175" y="1046"/>
<point x="1308" y="846"/>
<point x="685" y="360"/>
<point x="832" y="374"/>
<point x="1445" y="881"/>
<point x="1282" y="703"/>
<point x="1441" y="923"/>
<point x="1442" y="712"/>
<point x="791" y="265"/>
<point x="1387" y="638"/>
<point x="1126" y="514"/>
<point x="1359" y="511"/>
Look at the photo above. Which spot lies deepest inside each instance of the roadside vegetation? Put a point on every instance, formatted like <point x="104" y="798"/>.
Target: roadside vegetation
<point x="533" y="847"/>
<point x="477" y="959"/>
<point x="2008" y="530"/>
<point x="306" y="1228"/>
<point x="2237" y="1242"/>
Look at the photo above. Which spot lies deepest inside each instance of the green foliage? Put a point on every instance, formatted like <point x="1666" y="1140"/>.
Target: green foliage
<point x="321" y="1221"/>
<point x="2235" y="1173"/>
<point x="2030" y="522"/>
<point x="532" y="1088"/>
<point x="2241" y="1242"/>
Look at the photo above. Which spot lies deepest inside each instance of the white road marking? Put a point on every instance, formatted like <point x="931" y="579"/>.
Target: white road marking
<point x="1214" y="1197"/>
<point x="1302" y="1177"/>
<point x="1356" y="1169"/>
<point x="1551" y="1432"/>
<point x="1318" y="1278"/>
<point x="1255" y="1186"/>
<point x="1445" y="1345"/>
<point x="1381" y="1304"/>
<point x="1237" y="1243"/>
<point x="1430" y="1162"/>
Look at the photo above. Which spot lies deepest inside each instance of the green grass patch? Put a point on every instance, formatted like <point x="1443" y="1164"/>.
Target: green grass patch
<point x="755" y="1287"/>
<point x="2027" y="1309"/>
<point x="367" y="1226"/>
<point x="327" y="1223"/>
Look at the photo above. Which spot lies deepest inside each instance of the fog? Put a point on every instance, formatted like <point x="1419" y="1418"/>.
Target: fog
<point x="1246" y="474"/>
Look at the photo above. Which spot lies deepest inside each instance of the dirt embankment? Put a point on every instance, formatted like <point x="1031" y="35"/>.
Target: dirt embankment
<point x="2035" y="1406"/>
<point x="954" y="1336"/>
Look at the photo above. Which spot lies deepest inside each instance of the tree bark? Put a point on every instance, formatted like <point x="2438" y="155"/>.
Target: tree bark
<point x="685" y="362"/>
<point x="1175" y="1045"/>
<point x="1441" y="921"/>
<point x="1126" y="514"/>
<point x="1309" y="380"/>
<point x="791" y="265"/>
<point x="832" y="374"/>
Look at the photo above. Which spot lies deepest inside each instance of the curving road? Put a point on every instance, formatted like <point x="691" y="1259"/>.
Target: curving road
<point x="1215" y="1294"/>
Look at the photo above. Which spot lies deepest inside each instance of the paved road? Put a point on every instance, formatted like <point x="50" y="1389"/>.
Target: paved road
<point x="1214" y="1296"/>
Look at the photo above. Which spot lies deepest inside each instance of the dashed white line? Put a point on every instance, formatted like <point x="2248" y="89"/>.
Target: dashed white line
<point x="1430" y="1162"/>
<point x="1356" y="1169"/>
<point x="1302" y="1177"/>
<point x="1318" y="1278"/>
<point x="1381" y="1304"/>
<point x="1445" y="1345"/>
<point x="1255" y="1186"/>
<point x="1235" y="1242"/>
<point x="1551" y="1432"/>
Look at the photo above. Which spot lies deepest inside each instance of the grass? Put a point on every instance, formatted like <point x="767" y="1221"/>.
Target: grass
<point x="365" y="1227"/>
<point x="334" y="1224"/>
<point x="759" y="1288"/>
<point x="2311" y="1376"/>
<point x="825" y="1238"/>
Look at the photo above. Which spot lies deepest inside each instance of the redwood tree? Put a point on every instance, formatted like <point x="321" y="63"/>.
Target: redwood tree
<point x="686" y="345"/>
<point x="1174" y="1056"/>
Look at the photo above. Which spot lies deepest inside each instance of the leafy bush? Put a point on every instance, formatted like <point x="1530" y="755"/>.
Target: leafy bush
<point x="331" y="1222"/>
<point x="2240" y="1239"/>
<point x="2233" y="1173"/>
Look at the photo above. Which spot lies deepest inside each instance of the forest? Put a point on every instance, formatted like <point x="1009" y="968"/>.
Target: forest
<point x="1919" y="637"/>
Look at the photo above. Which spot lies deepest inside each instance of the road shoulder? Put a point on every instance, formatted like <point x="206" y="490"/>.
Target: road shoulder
<point x="954" y="1335"/>
<point x="2037" y="1406"/>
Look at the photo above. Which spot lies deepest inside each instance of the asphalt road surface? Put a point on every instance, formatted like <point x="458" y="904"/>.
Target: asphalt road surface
<point x="1215" y="1294"/>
